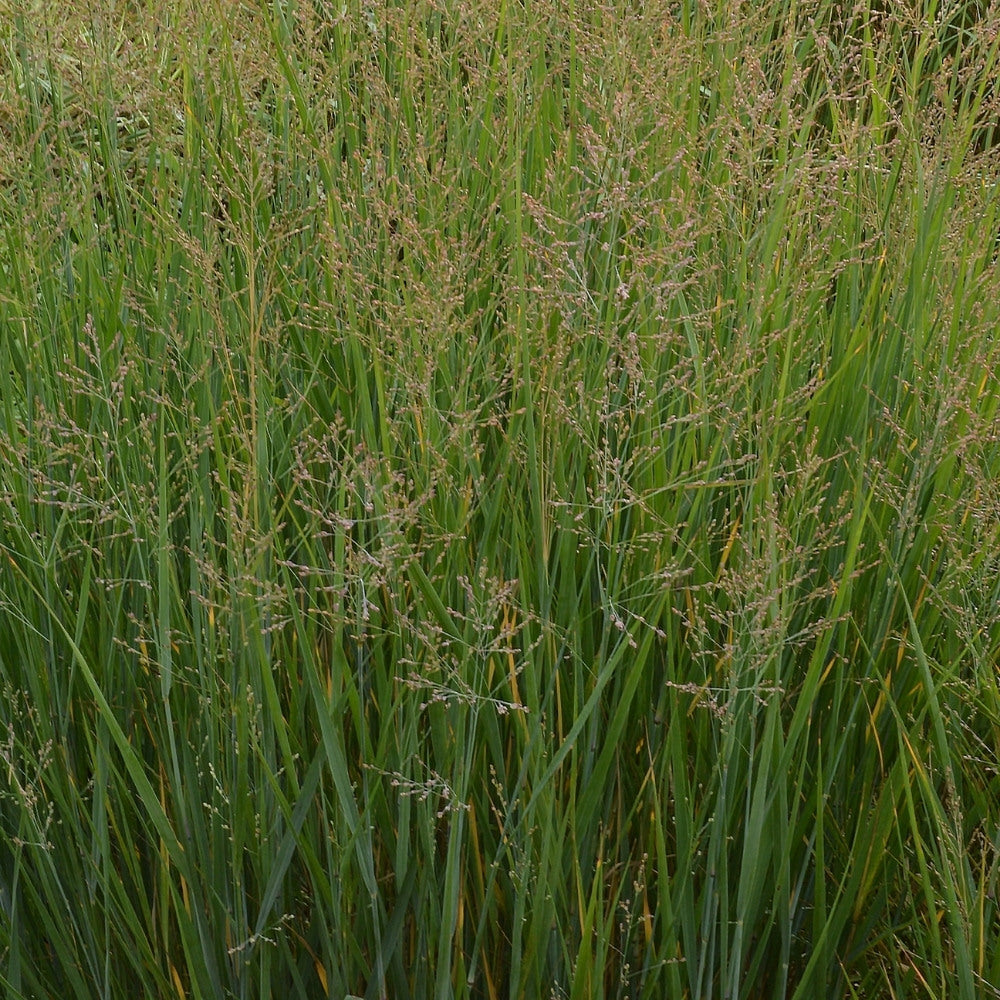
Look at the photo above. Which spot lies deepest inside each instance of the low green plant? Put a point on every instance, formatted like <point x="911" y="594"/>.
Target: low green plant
<point x="499" y="500"/>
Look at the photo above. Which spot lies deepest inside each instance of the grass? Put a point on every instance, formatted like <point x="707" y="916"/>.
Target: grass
<point x="499" y="500"/>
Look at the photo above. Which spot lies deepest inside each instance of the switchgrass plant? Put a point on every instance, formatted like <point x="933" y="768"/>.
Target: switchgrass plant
<point x="499" y="500"/>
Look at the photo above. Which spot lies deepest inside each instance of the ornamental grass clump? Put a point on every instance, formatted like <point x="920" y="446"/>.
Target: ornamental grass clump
<point x="499" y="500"/>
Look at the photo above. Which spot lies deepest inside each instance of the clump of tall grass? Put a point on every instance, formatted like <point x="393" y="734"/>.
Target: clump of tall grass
<point x="499" y="500"/>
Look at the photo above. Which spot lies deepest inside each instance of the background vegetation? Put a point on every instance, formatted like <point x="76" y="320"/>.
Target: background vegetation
<point x="499" y="499"/>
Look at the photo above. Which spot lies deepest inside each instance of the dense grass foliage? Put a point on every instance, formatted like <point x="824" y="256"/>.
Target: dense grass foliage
<point x="499" y="500"/>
